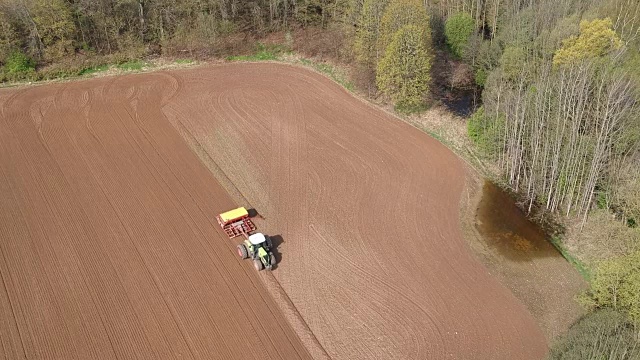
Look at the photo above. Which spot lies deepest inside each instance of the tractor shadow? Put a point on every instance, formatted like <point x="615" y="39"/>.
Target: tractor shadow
<point x="253" y="213"/>
<point x="277" y="240"/>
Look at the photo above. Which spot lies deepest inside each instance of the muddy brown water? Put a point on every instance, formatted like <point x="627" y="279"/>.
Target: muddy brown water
<point x="505" y="227"/>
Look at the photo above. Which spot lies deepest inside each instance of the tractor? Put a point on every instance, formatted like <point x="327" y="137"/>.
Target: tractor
<point x="259" y="248"/>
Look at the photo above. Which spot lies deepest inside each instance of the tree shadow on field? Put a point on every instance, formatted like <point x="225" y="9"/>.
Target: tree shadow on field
<point x="277" y="240"/>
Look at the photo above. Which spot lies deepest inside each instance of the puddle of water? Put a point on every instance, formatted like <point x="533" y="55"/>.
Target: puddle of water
<point x="506" y="228"/>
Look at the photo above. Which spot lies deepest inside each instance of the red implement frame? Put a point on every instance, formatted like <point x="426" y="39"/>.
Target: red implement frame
<point x="237" y="227"/>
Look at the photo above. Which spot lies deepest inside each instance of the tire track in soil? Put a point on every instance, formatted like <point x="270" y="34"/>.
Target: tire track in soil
<point x="275" y="289"/>
<point x="109" y="247"/>
<point x="346" y="178"/>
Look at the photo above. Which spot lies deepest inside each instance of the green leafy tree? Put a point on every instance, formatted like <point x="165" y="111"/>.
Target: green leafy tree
<point x="485" y="131"/>
<point x="616" y="284"/>
<point x="368" y="32"/>
<point x="55" y="25"/>
<point x="403" y="72"/>
<point x="457" y="30"/>
<point x="400" y="13"/>
<point x="596" y="39"/>
<point x="513" y="62"/>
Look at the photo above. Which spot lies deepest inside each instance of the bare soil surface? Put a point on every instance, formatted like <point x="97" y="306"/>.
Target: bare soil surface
<point x="366" y="210"/>
<point x="108" y="243"/>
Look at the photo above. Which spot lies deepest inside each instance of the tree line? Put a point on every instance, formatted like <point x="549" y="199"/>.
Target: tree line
<point x="49" y="31"/>
<point x="560" y="111"/>
<point x="560" y="116"/>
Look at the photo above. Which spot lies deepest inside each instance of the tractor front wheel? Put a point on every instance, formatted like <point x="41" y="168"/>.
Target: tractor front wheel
<point x="257" y="263"/>
<point x="242" y="251"/>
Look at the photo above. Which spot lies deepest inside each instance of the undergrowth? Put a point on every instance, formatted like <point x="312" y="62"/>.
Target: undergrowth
<point x="263" y="52"/>
<point x="556" y="241"/>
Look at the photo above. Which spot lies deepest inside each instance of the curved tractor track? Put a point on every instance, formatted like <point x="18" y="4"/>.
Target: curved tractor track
<point x="367" y="207"/>
<point x="109" y="246"/>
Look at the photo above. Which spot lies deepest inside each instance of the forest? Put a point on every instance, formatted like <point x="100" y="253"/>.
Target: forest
<point x="557" y="109"/>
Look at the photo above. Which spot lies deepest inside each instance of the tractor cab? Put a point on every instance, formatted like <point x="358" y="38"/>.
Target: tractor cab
<point x="257" y="239"/>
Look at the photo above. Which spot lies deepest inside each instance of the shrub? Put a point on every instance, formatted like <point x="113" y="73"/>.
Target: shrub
<point x="604" y="236"/>
<point x="604" y="334"/>
<point x="19" y="63"/>
<point x="17" y="67"/>
<point x="481" y="77"/>
<point x="616" y="285"/>
<point x="457" y="30"/>
<point x="484" y="131"/>
<point x="263" y="52"/>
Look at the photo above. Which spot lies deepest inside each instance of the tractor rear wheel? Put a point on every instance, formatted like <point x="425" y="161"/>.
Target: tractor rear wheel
<point x="257" y="263"/>
<point x="269" y="242"/>
<point x="242" y="251"/>
<point x="272" y="259"/>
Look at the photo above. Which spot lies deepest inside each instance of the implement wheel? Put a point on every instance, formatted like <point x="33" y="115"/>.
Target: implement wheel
<point x="258" y="264"/>
<point x="242" y="251"/>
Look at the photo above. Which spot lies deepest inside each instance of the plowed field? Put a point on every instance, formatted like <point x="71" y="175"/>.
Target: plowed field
<point x="109" y="246"/>
<point x="108" y="243"/>
<point x="367" y="207"/>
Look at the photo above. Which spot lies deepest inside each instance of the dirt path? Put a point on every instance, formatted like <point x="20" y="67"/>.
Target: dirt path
<point x="108" y="243"/>
<point x="367" y="208"/>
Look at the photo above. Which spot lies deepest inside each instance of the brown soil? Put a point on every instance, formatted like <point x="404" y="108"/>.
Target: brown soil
<point x="108" y="243"/>
<point x="110" y="248"/>
<point x="372" y="256"/>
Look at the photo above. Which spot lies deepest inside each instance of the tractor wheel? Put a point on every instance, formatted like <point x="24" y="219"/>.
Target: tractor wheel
<point x="269" y="242"/>
<point x="258" y="264"/>
<point x="272" y="259"/>
<point x="242" y="251"/>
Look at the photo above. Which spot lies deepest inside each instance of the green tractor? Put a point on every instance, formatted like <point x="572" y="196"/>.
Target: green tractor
<point x="259" y="248"/>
